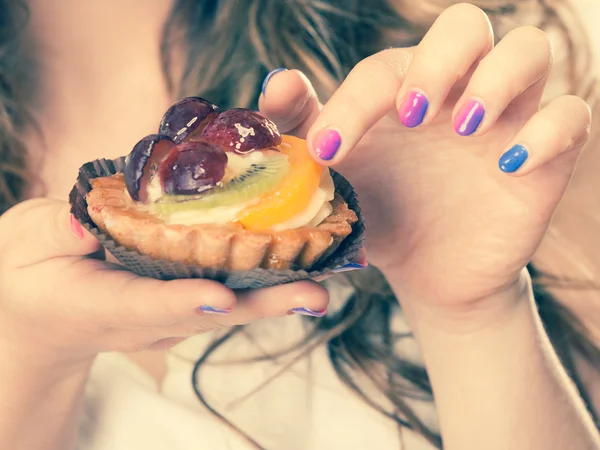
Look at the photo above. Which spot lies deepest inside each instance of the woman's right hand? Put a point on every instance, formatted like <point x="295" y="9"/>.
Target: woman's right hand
<point x="61" y="306"/>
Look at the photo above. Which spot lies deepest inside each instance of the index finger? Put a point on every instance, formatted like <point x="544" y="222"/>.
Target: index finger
<point x="368" y="93"/>
<point x="102" y="293"/>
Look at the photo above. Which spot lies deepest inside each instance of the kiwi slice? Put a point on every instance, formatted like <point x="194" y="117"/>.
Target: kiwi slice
<point x="255" y="181"/>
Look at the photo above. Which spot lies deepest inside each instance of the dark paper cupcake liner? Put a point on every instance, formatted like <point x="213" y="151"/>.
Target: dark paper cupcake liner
<point x="167" y="270"/>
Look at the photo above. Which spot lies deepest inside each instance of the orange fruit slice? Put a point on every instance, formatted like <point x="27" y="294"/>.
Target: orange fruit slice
<point x="294" y="193"/>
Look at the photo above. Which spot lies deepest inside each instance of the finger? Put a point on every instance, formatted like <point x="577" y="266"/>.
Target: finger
<point x="303" y="298"/>
<point x="40" y="229"/>
<point x="563" y="126"/>
<point x="359" y="262"/>
<point x="353" y="110"/>
<point x="97" y="293"/>
<point x="523" y="59"/>
<point x="289" y="100"/>
<point x="459" y="38"/>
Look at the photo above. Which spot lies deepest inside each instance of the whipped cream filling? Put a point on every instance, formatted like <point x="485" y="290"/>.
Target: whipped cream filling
<point x="317" y="210"/>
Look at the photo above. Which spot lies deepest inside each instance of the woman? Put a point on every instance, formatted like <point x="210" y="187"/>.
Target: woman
<point x="459" y="172"/>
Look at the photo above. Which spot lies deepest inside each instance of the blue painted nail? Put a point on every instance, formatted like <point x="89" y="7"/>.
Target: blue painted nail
<point x="513" y="159"/>
<point x="348" y="267"/>
<point x="213" y="310"/>
<point x="309" y="312"/>
<point x="269" y="76"/>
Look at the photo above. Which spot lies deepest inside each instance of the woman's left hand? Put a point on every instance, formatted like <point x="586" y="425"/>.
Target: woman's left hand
<point x="459" y="190"/>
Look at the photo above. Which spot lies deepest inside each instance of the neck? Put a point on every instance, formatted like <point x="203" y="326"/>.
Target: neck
<point x="86" y="41"/>
<point x="99" y="83"/>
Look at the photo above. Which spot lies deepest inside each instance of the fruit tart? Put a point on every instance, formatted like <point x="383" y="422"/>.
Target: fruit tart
<point x="222" y="190"/>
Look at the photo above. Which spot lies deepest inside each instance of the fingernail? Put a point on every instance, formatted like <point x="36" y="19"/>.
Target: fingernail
<point x="323" y="277"/>
<point x="326" y="144"/>
<point x="513" y="159"/>
<point x="76" y="227"/>
<point x="350" y="266"/>
<point x="213" y="310"/>
<point x="269" y="76"/>
<point x="413" y="109"/>
<point x="309" y="312"/>
<point x="469" y="118"/>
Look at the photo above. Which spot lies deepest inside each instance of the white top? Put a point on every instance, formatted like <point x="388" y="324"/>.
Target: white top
<point x="305" y="408"/>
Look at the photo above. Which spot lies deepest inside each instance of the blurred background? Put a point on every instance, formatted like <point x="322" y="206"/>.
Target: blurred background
<point x="590" y="14"/>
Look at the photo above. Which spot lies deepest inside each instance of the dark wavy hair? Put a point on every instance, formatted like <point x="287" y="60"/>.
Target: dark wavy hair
<point x="324" y="39"/>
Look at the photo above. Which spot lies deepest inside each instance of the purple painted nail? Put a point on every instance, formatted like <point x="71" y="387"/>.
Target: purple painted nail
<point x="469" y="118"/>
<point x="309" y="312"/>
<point x="413" y="109"/>
<point x="213" y="310"/>
<point x="326" y="144"/>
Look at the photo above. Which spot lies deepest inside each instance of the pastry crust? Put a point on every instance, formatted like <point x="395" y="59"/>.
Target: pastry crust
<point x="218" y="246"/>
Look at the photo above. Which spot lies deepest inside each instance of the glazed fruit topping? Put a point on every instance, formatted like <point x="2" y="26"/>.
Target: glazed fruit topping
<point x="192" y="167"/>
<point x="242" y="131"/>
<point x="186" y="118"/>
<point x="143" y="162"/>
<point x="188" y="157"/>
<point x="251" y="182"/>
<point x="292" y="196"/>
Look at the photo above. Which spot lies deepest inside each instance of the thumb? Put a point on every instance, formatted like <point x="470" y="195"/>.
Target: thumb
<point x="289" y="100"/>
<point x="40" y="229"/>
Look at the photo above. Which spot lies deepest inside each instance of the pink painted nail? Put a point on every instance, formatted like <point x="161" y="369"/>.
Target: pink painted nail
<point x="469" y="118"/>
<point x="76" y="227"/>
<point x="326" y="144"/>
<point x="413" y="109"/>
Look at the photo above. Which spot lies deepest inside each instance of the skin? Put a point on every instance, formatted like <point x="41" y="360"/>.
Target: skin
<point x="460" y="276"/>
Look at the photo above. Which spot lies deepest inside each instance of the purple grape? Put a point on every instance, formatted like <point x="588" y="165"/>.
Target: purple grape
<point x="143" y="162"/>
<point x="192" y="167"/>
<point x="187" y="116"/>
<point x="242" y="131"/>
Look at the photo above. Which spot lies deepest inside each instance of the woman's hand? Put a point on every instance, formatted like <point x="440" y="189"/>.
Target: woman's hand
<point x="459" y="190"/>
<point x="59" y="306"/>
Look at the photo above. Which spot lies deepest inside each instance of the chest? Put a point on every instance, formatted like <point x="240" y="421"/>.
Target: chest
<point x="302" y="406"/>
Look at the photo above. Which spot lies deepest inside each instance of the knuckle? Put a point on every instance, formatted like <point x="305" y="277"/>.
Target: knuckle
<point x="391" y="62"/>
<point x="429" y="68"/>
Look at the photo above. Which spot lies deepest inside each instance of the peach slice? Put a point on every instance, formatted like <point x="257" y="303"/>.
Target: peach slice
<point x="294" y="193"/>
